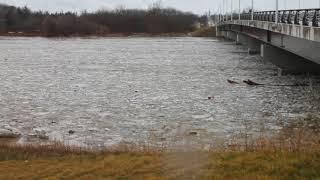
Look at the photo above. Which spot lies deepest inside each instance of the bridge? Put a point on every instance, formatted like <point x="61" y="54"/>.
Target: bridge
<point x="288" y="38"/>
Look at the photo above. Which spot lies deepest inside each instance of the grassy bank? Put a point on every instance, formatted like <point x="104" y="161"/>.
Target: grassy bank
<point x="24" y="163"/>
<point x="205" y="32"/>
<point x="99" y="35"/>
<point x="292" y="153"/>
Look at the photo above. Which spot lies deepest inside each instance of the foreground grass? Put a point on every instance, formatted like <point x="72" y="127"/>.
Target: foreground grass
<point x="50" y="163"/>
<point x="292" y="153"/>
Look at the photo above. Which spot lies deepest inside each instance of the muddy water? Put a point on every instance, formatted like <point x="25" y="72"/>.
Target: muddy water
<point x="102" y="91"/>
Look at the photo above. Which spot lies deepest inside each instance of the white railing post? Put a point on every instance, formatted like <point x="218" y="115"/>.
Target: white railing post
<point x="231" y="10"/>
<point x="277" y="11"/>
<point x="220" y="13"/>
<point x="226" y="1"/>
<point x="223" y="10"/>
<point x="299" y="4"/>
<point x="252" y="10"/>
<point x="239" y="9"/>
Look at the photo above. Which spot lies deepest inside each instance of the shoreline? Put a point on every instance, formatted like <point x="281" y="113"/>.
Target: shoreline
<point x="202" y="32"/>
<point x="302" y="135"/>
<point x="98" y="35"/>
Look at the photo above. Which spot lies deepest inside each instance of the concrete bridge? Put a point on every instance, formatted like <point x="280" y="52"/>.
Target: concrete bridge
<point x="288" y="38"/>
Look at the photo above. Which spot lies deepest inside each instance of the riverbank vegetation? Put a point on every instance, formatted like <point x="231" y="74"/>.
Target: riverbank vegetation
<point x="155" y="20"/>
<point x="293" y="153"/>
<point x="204" y="32"/>
<point x="25" y="164"/>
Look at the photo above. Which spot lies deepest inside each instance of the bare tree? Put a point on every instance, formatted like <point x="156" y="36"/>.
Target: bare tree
<point x="156" y="19"/>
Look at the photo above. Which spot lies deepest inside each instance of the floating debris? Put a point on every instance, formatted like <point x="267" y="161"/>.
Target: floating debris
<point x="163" y="139"/>
<point x="193" y="133"/>
<point x="232" y="82"/>
<point x="251" y="83"/>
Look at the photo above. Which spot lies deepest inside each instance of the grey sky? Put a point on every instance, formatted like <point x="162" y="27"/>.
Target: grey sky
<point x="196" y="6"/>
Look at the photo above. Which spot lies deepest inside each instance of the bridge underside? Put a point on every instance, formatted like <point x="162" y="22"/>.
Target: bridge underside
<point x="291" y="54"/>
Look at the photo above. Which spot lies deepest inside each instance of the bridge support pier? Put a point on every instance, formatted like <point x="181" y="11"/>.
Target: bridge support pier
<point x="223" y="33"/>
<point x="238" y="42"/>
<point x="241" y="39"/>
<point x="254" y="46"/>
<point x="262" y="50"/>
<point x="218" y="32"/>
<point x="287" y="61"/>
<point x="231" y="35"/>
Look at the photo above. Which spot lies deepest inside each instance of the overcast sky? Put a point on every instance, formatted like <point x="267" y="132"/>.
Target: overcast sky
<point x="196" y="6"/>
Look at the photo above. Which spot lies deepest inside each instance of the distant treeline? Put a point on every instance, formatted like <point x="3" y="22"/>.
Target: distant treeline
<point x="154" y="20"/>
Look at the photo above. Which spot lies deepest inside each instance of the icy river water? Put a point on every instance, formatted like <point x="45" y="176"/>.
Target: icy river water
<point x="104" y="91"/>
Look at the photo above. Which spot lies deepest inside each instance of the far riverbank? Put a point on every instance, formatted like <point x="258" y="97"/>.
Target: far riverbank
<point x="203" y="32"/>
<point x="23" y="34"/>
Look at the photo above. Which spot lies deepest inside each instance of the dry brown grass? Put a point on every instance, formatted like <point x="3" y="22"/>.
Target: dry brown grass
<point x="292" y="154"/>
<point x="287" y="140"/>
<point x="169" y="165"/>
<point x="205" y="32"/>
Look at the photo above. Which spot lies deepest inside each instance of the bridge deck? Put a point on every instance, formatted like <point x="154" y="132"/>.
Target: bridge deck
<point x="299" y="31"/>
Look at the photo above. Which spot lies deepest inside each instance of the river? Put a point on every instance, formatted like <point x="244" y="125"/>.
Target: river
<point x="104" y="91"/>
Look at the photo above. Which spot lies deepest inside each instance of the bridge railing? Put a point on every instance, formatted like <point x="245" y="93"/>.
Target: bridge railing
<point x="305" y="17"/>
